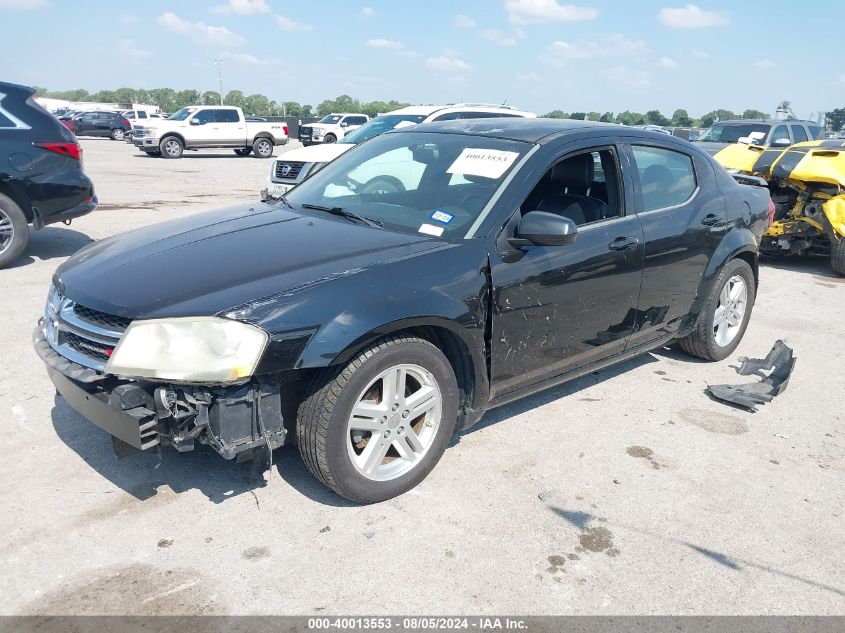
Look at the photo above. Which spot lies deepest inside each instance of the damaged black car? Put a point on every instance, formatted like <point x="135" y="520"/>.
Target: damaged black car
<point x="397" y="294"/>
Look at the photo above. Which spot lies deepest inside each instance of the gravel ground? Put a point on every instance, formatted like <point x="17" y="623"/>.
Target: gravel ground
<point x="624" y="492"/>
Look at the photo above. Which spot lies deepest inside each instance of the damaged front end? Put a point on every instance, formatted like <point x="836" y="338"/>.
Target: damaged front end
<point x="242" y="420"/>
<point x="807" y="186"/>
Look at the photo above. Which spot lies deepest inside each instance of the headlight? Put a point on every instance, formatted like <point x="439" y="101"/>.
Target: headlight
<point x="191" y="349"/>
<point x="317" y="130"/>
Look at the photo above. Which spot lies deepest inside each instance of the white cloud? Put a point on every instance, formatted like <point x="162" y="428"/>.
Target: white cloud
<point x="560" y="53"/>
<point x="252" y="60"/>
<point x="499" y="38"/>
<point x="286" y="24"/>
<point x="533" y="77"/>
<point x="447" y="63"/>
<point x="701" y="54"/>
<point x="667" y="63"/>
<point x="200" y="32"/>
<point x="368" y="12"/>
<point x="691" y="17"/>
<point x="242" y="7"/>
<point x="383" y="43"/>
<point x="22" y="5"/>
<point x="464" y="22"/>
<point x="127" y="50"/>
<point x="764" y="63"/>
<point x="127" y="19"/>
<point x="627" y="77"/>
<point x="457" y="79"/>
<point x="540" y="11"/>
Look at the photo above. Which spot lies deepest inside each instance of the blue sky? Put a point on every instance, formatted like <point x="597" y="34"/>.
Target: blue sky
<point x="537" y="54"/>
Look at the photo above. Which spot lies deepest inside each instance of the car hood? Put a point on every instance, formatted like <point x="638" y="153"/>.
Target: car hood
<point x="212" y="262"/>
<point x="315" y="153"/>
<point x="711" y="147"/>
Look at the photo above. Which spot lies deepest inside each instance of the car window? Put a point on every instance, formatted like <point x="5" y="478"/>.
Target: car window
<point x="356" y="120"/>
<point x="731" y="133"/>
<point x="485" y="115"/>
<point x="6" y="121"/>
<point x="584" y="188"/>
<point x="405" y="181"/>
<point x="205" y="116"/>
<point x="142" y="114"/>
<point x="228" y="116"/>
<point x="780" y="132"/>
<point x="816" y="131"/>
<point x="449" y="116"/>
<point x="667" y="177"/>
<point x="798" y="134"/>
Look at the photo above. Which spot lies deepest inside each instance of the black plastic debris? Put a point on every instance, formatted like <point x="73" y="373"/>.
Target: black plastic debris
<point x="780" y="362"/>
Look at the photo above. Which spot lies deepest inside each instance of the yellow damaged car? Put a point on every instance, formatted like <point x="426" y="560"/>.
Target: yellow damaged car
<point x="807" y="185"/>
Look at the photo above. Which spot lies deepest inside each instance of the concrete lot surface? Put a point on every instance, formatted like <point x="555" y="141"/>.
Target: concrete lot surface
<point x="626" y="492"/>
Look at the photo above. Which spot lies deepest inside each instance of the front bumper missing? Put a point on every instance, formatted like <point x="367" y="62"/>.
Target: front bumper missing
<point x="237" y="421"/>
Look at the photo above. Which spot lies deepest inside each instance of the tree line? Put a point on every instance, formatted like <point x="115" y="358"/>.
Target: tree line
<point x="679" y="118"/>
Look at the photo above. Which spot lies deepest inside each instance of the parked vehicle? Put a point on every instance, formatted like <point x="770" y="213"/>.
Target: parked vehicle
<point x="291" y="169"/>
<point x="136" y="117"/>
<point x="761" y="132"/>
<point x="330" y="128"/>
<point x="203" y="127"/>
<point x="101" y="123"/>
<point x="41" y="176"/>
<point x="67" y="121"/>
<point x="806" y="182"/>
<point x="373" y="325"/>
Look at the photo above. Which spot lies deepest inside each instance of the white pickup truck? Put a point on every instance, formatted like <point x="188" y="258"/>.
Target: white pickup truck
<point x="203" y="127"/>
<point x="331" y="128"/>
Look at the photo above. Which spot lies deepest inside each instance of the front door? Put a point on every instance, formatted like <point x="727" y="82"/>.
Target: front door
<point x="229" y="129"/>
<point x="556" y="308"/>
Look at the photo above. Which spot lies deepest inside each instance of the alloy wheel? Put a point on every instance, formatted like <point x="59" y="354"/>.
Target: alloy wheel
<point x="730" y="312"/>
<point x="7" y="231"/>
<point x="172" y="147"/>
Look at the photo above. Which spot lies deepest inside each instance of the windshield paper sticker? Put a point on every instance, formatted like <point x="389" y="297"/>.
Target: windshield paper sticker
<point x="487" y="163"/>
<point x="441" y="216"/>
<point x="430" y="229"/>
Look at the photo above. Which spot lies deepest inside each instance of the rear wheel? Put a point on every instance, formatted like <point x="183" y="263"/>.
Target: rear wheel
<point x="837" y="255"/>
<point x="171" y="147"/>
<point x="375" y="427"/>
<point x="117" y="134"/>
<point x="14" y="231"/>
<point x="263" y="147"/>
<point x="243" y="151"/>
<point x="724" y="315"/>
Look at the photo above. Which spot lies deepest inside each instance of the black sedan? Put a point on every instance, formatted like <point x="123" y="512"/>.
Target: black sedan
<point x="112" y="125"/>
<point x="515" y="255"/>
<point x="41" y="177"/>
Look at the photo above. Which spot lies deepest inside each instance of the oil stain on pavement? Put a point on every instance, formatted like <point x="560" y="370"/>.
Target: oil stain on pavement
<point x="714" y="422"/>
<point x="643" y="452"/>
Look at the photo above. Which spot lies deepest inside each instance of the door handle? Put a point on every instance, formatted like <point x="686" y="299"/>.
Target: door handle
<point x="712" y="219"/>
<point x="623" y="243"/>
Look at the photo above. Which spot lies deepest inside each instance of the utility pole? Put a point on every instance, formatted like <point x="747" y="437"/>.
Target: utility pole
<point x="218" y="63"/>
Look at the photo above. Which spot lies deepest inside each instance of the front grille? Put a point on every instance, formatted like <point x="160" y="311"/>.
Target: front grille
<point x="305" y="133"/>
<point x="288" y="170"/>
<point x="87" y="347"/>
<point x="101" y="318"/>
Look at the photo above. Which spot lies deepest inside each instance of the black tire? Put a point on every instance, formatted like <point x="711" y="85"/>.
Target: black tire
<point x="837" y="255"/>
<point x="171" y="147"/>
<point x="243" y="151"/>
<point x="321" y="427"/>
<point x="14" y="231"/>
<point x="701" y="343"/>
<point x="383" y="184"/>
<point x="329" y="138"/>
<point x="263" y="147"/>
<point x="118" y="134"/>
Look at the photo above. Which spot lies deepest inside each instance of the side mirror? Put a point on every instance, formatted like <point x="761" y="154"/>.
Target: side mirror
<point x="781" y="142"/>
<point x="541" y="228"/>
<point x="344" y="124"/>
<point x="196" y="122"/>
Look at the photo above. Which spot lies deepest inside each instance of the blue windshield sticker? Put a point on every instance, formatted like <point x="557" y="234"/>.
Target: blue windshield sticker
<point x="441" y="216"/>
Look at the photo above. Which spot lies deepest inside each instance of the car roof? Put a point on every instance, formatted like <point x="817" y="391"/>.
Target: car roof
<point x="428" y="110"/>
<point x="766" y="121"/>
<point x="526" y="129"/>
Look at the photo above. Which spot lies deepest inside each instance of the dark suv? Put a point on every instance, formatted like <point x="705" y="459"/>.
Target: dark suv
<point x="762" y="132"/>
<point x="41" y="177"/>
<point x="111" y="124"/>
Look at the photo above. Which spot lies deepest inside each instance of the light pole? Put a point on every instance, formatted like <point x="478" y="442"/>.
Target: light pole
<point x="218" y="63"/>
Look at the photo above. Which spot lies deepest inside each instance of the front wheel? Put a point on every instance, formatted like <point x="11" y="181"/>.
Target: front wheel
<point x="117" y="134"/>
<point x="725" y="314"/>
<point x="243" y="151"/>
<point x="375" y="427"/>
<point x="329" y="138"/>
<point x="263" y="147"/>
<point x="837" y="255"/>
<point x="171" y="147"/>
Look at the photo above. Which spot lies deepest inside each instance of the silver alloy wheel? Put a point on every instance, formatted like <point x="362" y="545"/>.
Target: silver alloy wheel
<point x="172" y="147"/>
<point x="264" y="148"/>
<point x="118" y="134"/>
<point x="730" y="312"/>
<point x="394" y="422"/>
<point x="7" y="231"/>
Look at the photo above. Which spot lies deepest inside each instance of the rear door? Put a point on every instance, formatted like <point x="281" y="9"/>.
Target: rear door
<point x="230" y="128"/>
<point x="684" y="218"/>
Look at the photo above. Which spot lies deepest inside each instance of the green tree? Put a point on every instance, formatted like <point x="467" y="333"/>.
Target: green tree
<point x="187" y="97"/>
<point x="754" y="114"/>
<point x="125" y="95"/>
<point x="307" y="110"/>
<point x="578" y="116"/>
<point x="593" y="116"/>
<point x="556" y="114"/>
<point x="211" y="97"/>
<point x="607" y="117"/>
<point x="257" y="104"/>
<point x="681" y="118"/>
<point x="654" y="117"/>
<point x="835" y="119"/>
<point x="630" y="118"/>
<point x="717" y="115"/>
<point x="234" y="98"/>
<point x="164" y="99"/>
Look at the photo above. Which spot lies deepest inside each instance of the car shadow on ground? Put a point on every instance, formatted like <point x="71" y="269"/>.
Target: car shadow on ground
<point x="817" y="266"/>
<point x="190" y="154"/>
<point x="50" y="243"/>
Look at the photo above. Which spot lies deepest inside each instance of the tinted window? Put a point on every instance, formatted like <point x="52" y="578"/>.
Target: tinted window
<point x="205" y="116"/>
<point x="731" y="133"/>
<point x="356" y="120"/>
<point x="780" y="132"/>
<point x="6" y="121"/>
<point x="485" y="115"/>
<point x="798" y="134"/>
<point x="142" y="114"/>
<point x="667" y="177"/>
<point x="816" y="131"/>
<point x="449" y="116"/>
<point x="228" y="116"/>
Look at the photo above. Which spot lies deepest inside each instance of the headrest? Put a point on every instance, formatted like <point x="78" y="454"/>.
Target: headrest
<point x="577" y="171"/>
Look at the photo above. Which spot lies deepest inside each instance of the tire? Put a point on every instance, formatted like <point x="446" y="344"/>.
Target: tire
<point x="325" y="436"/>
<point x="118" y="134"/>
<point x="383" y="184"/>
<point x="329" y="138"/>
<point x="243" y="151"/>
<point x="704" y="341"/>
<point x="263" y="147"/>
<point x="14" y="231"/>
<point x="837" y="255"/>
<point x="171" y="147"/>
